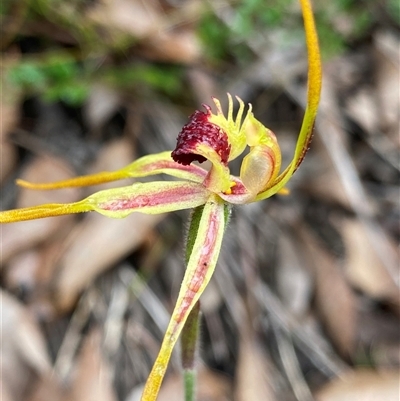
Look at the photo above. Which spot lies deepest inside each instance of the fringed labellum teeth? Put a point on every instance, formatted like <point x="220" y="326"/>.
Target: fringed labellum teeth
<point x="199" y="131"/>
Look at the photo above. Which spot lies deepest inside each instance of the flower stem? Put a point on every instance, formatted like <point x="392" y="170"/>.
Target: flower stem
<point x="190" y="330"/>
<point x="189" y="379"/>
<point x="189" y="338"/>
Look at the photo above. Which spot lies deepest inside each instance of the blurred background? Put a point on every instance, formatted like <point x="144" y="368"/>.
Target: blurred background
<point x="304" y="304"/>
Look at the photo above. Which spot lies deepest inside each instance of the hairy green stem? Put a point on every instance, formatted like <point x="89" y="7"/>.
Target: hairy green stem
<point x="189" y="339"/>
<point x="190" y="332"/>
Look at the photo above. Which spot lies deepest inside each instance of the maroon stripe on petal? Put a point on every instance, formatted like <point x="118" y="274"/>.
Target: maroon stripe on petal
<point x="168" y="196"/>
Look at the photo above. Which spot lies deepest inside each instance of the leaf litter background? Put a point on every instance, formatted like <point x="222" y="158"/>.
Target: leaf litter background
<point x="304" y="304"/>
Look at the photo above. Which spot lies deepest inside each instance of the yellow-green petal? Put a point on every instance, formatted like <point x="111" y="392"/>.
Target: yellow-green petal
<point x="313" y="97"/>
<point x="42" y="211"/>
<point x="200" y="268"/>
<point x="261" y="165"/>
<point x="151" y="198"/>
<point x="258" y="168"/>
<point x="160" y="163"/>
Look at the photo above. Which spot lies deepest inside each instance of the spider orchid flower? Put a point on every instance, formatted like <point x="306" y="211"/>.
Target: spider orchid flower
<point x="215" y="137"/>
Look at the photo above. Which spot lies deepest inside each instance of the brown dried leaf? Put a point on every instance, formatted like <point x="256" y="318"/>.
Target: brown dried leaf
<point x="33" y="272"/>
<point x="362" y="108"/>
<point x="293" y="280"/>
<point x="92" y="377"/>
<point x="145" y="21"/>
<point x="47" y="389"/>
<point x="362" y="385"/>
<point x="113" y="156"/>
<point x="130" y="16"/>
<point x="387" y="55"/>
<point x="102" y="103"/>
<point x="323" y="172"/>
<point x="23" y="349"/>
<point x="335" y="300"/>
<point x="99" y="243"/>
<point x="8" y="159"/>
<point x="21" y="271"/>
<point x="253" y="376"/>
<point x="47" y="169"/>
<point x="211" y="386"/>
<point x="363" y="268"/>
<point x="5" y="394"/>
<point x="180" y="46"/>
<point x="334" y="138"/>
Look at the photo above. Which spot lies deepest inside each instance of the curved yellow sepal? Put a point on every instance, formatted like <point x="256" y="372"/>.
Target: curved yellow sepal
<point x="201" y="266"/>
<point x="151" y="198"/>
<point x="82" y="181"/>
<point x="42" y="211"/>
<point x="313" y="97"/>
<point x="160" y="163"/>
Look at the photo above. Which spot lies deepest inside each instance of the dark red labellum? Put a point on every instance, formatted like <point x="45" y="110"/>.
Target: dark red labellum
<point x="200" y="130"/>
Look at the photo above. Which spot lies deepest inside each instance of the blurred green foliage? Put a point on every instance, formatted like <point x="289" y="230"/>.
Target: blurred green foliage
<point x="60" y="77"/>
<point x="394" y="10"/>
<point x="223" y="40"/>
<point x="252" y="15"/>
<point x="340" y="23"/>
<point x="56" y="77"/>
<point x="60" y="72"/>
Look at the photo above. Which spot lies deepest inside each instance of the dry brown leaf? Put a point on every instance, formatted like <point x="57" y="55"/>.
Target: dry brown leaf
<point x="92" y="378"/>
<point x="145" y="21"/>
<point x="253" y="376"/>
<point x="8" y="159"/>
<point x="323" y="181"/>
<point x="130" y="16"/>
<point x="102" y="103"/>
<point x="362" y="108"/>
<point x="113" y="156"/>
<point x="386" y="355"/>
<point x="47" y="389"/>
<point x="387" y="55"/>
<point x="98" y="244"/>
<point x="47" y="169"/>
<point x="334" y="138"/>
<point x="32" y="273"/>
<point x="23" y="349"/>
<point x="335" y="300"/>
<point x="211" y="299"/>
<point x="21" y="271"/>
<point x="5" y="394"/>
<point x="362" y="385"/>
<point x="293" y="280"/>
<point x="20" y="236"/>
<point x="363" y="268"/>
<point x="180" y="46"/>
<point x="211" y="386"/>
